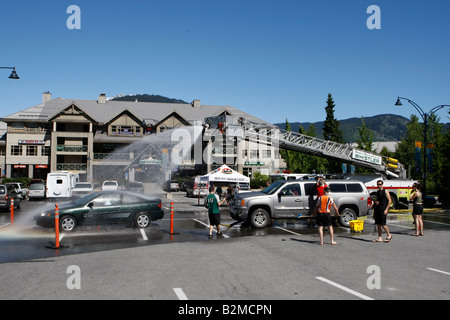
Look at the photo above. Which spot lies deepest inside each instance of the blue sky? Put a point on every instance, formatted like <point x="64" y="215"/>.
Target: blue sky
<point x="273" y="59"/>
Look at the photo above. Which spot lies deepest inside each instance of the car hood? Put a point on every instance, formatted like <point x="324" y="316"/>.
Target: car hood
<point x="249" y="195"/>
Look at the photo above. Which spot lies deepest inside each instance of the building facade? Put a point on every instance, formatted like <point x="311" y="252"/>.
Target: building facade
<point x="104" y="139"/>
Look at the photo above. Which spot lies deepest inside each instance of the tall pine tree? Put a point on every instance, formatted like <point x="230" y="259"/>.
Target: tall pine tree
<point x="332" y="132"/>
<point x="331" y="126"/>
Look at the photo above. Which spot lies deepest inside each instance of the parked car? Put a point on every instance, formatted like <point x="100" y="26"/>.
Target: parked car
<point x="20" y="189"/>
<point x="241" y="187"/>
<point x="296" y="199"/>
<point x="136" y="186"/>
<point x="36" y="191"/>
<point x="195" y="189"/>
<point x="172" y="185"/>
<point x="82" y="188"/>
<point x="105" y="207"/>
<point x="110" y="185"/>
<point x="6" y="194"/>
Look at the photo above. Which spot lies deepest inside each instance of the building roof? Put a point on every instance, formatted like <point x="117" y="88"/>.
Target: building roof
<point x="148" y="112"/>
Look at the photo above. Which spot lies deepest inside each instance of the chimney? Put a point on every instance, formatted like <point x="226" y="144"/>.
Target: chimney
<point x="46" y="97"/>
<point x="196" y="103"/>
<point x="102" y="98"/>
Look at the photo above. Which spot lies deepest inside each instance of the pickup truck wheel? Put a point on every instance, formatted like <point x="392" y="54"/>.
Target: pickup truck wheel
<point x="346" y="216"/>
<point x="259" y="218"/>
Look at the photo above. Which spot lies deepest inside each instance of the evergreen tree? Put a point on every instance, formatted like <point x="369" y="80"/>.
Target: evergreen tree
<point x="332" y="132"/>
<point x="331" y="126"/>
<point x="365" y="140"/>
<point x="287" y="155"/>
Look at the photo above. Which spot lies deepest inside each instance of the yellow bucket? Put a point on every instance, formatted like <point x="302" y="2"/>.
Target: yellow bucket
<point x="356" y="225"/>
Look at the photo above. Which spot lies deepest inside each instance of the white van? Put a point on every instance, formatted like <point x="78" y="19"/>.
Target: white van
<point x="60" y="184"/>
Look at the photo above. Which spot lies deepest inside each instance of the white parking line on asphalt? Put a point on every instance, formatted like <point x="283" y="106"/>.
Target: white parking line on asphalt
<point x="440" y="271"/>
<point x="360" y="295"/>
<point x="180" y="294"/>
<point x="286" y="230"/>
<point x="206" y="225"/>
<point x="144" y="235"/>
<point x="4" y="225"/>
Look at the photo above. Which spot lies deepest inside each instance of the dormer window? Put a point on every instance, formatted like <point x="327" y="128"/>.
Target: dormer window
<point x="126" y="130"/>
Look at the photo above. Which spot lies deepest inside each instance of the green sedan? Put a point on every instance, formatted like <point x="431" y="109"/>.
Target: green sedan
<point x="104" y="207"/>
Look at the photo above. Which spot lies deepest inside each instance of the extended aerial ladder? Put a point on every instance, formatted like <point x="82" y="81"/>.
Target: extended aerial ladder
<point x="311" y="145"/>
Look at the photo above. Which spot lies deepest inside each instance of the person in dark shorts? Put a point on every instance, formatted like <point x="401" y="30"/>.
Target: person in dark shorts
<point x="381" y="207"/>
<point x="416" y="196"/>
<point x="212" y="202"/>
<point x="322" y="211"/>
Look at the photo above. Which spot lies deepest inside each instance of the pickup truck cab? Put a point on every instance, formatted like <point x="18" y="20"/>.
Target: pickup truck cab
<point x="295" y="199"/>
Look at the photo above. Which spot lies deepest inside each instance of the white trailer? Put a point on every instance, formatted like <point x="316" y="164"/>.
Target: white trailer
<point x="60" y="184"/>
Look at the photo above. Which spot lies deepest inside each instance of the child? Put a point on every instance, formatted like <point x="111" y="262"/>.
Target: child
<point x="212" y="202"/>
<point x="323" y="212"/>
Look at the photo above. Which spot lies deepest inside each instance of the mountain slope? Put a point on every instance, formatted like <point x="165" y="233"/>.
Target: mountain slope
<point x="386" y="127"/>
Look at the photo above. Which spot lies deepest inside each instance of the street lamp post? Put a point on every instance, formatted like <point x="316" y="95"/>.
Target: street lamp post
<point x="424" y="116"/>
<point x="13" y="73"/>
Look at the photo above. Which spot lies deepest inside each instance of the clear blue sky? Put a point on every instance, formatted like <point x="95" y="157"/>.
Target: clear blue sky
<point x="273" y="59"/>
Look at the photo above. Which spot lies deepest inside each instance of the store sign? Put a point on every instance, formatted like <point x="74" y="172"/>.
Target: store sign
<point x="40" y="142"/>
<point x="254" y="163"/>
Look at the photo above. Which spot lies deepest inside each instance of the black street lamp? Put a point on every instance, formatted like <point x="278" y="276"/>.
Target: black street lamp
<point x="425" y="117"/>
<point x="13" y="73"/>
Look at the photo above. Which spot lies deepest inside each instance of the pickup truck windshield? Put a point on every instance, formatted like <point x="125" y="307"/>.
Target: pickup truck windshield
<point x="273" y="187"/>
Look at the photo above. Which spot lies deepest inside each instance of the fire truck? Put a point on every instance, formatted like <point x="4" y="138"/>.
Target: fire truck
<point x="399" y="189"/>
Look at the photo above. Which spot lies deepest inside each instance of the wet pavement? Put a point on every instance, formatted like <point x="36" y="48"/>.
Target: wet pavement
<point x="24" y="240"/>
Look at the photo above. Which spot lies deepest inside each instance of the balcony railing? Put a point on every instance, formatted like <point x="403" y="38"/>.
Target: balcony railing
<point x="71" y="166"/>
<point x="67" y="148"/>
<point x="112" y="156"/>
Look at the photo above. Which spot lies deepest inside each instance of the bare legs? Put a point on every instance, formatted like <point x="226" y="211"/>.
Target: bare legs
<point x="331" y="235"/>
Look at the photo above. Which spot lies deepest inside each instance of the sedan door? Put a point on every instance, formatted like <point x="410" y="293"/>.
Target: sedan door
<point x="104" y="209"/>
<point x="289" y="203"/>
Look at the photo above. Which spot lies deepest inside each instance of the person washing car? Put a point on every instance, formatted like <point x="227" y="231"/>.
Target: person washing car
<point x="212" y="202"/>
<point x="322" y="212"/>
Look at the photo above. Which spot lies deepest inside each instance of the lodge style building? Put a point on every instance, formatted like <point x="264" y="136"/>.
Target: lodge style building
<point x="95" y="137"/>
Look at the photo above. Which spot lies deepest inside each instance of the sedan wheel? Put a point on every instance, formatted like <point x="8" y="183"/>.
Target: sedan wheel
<point x="67" y="223"/>
<point x="142" y="220"/>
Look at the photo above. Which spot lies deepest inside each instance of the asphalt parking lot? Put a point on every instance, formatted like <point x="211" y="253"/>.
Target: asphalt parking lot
<point x="282" y="262"/>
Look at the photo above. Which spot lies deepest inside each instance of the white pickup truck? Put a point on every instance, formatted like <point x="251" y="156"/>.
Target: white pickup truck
<point x="110" y="185"/>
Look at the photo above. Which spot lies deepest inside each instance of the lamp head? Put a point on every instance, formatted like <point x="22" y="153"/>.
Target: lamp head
<point x="398" y="103"/>
<point x="14" y="75"/>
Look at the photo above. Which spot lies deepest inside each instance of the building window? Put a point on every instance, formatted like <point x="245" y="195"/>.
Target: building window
<point x="16" y="150"/>
<point x="266" y="154"/>
<point x="45" y="151"/>
<point x="126" y="130"/>
<point x="254" y="153"/>
<point x="32" y="150"/>
<point x="17" y="127"/>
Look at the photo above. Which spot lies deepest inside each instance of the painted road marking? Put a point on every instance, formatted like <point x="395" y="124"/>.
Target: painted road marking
<point x="206" y="225"/>
<point x="286" y="230"/>
<point x="144" y="235"/>
<point x="360" y="295"/>
<point x="4" y="225"/>
<point x="440" y="271"/>
<point x="180" y="294"/>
